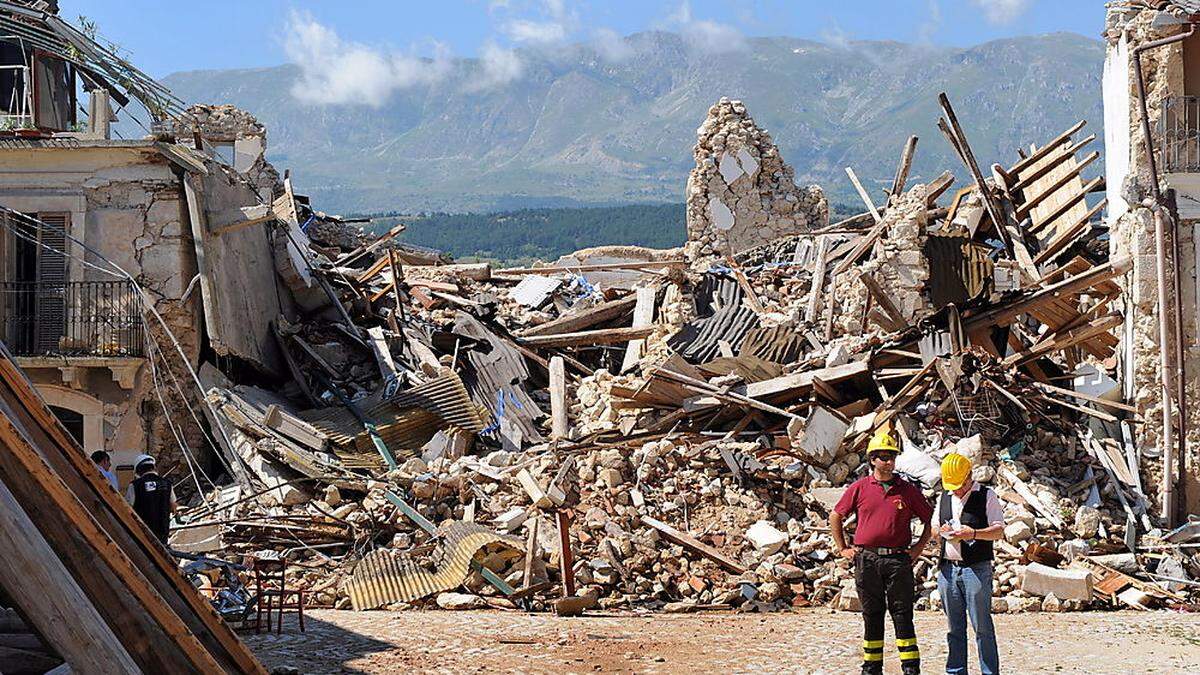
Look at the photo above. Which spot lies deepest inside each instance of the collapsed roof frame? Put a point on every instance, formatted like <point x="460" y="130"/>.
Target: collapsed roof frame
<point x="96" y="62"/>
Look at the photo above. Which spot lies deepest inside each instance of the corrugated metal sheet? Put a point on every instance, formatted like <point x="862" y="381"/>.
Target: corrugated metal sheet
<point x="406" y="422"/>
<point x="501" y="371"/>
<point x="959" y="270"/>
<point x="780" y="344"/>
<point x="384" y="577"/>
<point x="718" y="299"/>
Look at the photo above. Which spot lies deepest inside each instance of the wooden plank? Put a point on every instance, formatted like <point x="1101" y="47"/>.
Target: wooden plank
<point x="1086" y="397"/>
<point x="559" y="425"/>
<point x="989" y="200"/>
<point x="1028" y="178"/>
<point x="1068" y="204"/>
<point x="51" y="600"/>
<point x="599" y="267"/>
<point x="589" y="338"/>
<point x="1067" y="235"/>
<point x="99" y="565"/>
<point x="1047" y="148"/>
<point x="1041" y="193"/>
<point x="577" y="321"/>
<point x="792" y="385"/>
<point x="691" y="543"/>
<point x="813" y="307"/>
<point x="1061" y="341"/>
<point x="937" y="186"/>
<point x="884" y="300"/>
<point x="864" y="195"/>
<point x="906" y="159"/>
<point x="1030" y="496"/>
<point x="383" y="354"/>
<point x="643" y="317"/>
<point x="1000" y="316"/>
<point x="119" y="520"/>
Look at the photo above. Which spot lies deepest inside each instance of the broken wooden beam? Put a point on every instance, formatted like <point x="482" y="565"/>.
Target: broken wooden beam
<point x="598" y="267"/>
<point x="1000" y="316"/>
<point x="1046" y="149"/>
<point x="559" y="425"/>
<point x="864" y="195"/>
<point x="606" y="336"/>
<point x="906" y="160"/>
<point x="689" y="542"/>
<point x="643" y="317"/>
<point x="584" y="318"/>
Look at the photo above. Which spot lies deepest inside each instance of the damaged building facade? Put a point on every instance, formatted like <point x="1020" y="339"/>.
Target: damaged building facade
<point x="169" y="215"/>
<point x="1152" y="107"/>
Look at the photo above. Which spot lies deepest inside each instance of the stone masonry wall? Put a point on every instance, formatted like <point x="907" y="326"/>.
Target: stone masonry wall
<point x="741" y="193"/>
<point x="1133" y="235"/>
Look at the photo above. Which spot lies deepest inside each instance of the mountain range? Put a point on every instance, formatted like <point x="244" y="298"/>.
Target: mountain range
<point x="577" y="129"/>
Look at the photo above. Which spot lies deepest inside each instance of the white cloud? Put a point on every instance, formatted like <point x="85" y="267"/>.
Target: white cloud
<point x="336" y="71"/>
<point x="535" y="32"/>
<point x="929" y="27"/>
<point x="835" y="37"/>
<point x="1002" y="11"/>
<point x="498" y="66"/>
<point x="704" y="34"/>
<point x="611" y="46"/>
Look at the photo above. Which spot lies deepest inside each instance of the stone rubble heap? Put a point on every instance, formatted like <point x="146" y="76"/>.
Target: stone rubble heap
<point x="693" y="418"/>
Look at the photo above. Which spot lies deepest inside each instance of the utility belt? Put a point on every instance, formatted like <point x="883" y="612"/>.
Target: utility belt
<point x="884" y="550"/>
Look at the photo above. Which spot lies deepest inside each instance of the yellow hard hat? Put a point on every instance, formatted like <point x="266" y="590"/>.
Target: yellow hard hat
<point x="956" y="469"/>
<point x="883" y="441"/>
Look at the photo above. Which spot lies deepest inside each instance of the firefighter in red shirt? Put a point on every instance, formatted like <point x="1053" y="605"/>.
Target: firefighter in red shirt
<point x="883" y="552"/>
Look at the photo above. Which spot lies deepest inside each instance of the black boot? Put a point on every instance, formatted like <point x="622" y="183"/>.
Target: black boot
<point x="872" y="668"/>
<point x="912" y="667"/>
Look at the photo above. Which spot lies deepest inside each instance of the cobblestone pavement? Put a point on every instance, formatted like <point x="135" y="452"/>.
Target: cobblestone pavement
<point x="811" y="641"/>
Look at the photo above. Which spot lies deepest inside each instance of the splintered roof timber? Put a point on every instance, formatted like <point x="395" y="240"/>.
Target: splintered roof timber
<point x="99" y="63"/>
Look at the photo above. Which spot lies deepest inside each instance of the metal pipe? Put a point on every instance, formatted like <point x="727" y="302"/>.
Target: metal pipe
<point x="1147" y="139"/>
<point x="1180" y="359"/>
<point x="1164" y="328"/>
<point x="1164" y="354"/>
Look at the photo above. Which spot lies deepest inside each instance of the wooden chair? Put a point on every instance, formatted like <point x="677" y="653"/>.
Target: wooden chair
<point x="273" y="595"/>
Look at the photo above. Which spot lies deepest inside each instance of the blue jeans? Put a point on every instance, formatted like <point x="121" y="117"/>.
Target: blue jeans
<point x="967" y="592"/>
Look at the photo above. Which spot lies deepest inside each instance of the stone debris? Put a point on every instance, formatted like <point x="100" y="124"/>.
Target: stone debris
<point x="699" y="472"/>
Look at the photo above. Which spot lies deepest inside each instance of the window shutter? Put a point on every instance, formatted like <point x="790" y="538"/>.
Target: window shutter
<point x="52" y="282"/>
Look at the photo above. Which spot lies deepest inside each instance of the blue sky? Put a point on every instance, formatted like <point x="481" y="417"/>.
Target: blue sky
<point x="164" y="37"/>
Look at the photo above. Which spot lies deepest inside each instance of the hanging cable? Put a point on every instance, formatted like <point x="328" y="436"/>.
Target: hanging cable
<point x="239" y="471"/>
<point x="187" y="454"/>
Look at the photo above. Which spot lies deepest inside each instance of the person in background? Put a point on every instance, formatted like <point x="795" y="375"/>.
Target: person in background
<point x="883" y="551"/>
<point x="152" y="497"/>
<point x="968" y="518"/>
<point x="104" y="462"/>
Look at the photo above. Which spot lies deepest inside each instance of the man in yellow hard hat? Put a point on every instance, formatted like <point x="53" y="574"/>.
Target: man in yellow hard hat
<point x="883" y="552"/>
<point x="968" y="518"/>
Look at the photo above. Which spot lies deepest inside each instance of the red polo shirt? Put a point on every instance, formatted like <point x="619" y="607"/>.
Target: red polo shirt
<point x="884" y="517"/>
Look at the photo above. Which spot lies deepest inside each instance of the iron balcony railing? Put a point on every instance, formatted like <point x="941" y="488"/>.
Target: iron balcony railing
<point x="77" y="318"/>
<point x="1179" y="135"/>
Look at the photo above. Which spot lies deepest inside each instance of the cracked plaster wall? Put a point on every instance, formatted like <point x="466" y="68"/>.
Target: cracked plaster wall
<point x="126" y="203"/>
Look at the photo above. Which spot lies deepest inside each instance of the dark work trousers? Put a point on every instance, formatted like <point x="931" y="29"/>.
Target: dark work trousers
<point x="885" y="584"/>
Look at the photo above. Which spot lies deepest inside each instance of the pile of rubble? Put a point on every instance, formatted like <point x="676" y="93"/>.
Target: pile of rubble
<point x="669" y="430"/>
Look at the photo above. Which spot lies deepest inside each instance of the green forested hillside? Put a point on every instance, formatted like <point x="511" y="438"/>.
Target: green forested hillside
<point x="516" y="237"/>
<point x="540" y="234"/>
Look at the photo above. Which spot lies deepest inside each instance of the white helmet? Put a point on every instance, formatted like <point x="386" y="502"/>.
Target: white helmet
<point x="142" y="459"/>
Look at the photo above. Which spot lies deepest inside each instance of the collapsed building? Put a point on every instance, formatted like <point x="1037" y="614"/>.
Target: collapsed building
<point x="622" y="427"/>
